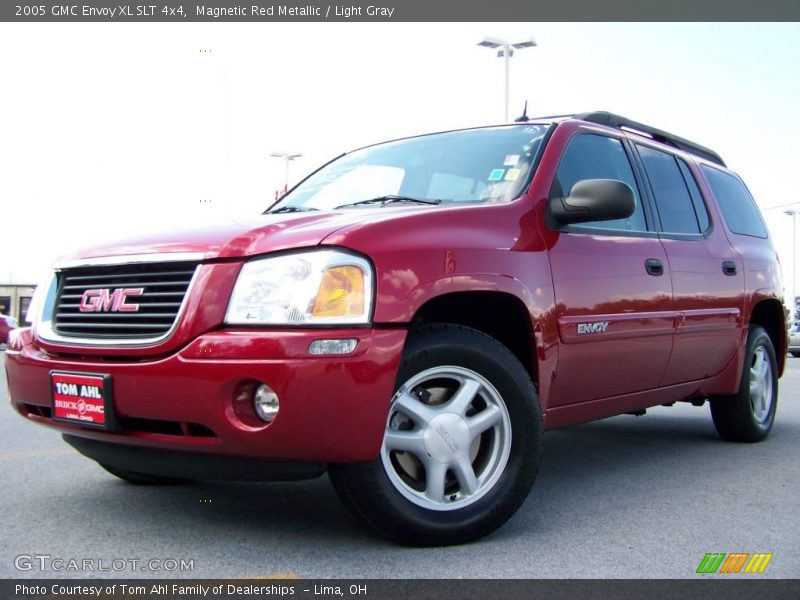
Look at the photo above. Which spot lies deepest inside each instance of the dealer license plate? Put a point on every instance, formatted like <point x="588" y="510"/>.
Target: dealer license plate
<point x="81" y="398"/>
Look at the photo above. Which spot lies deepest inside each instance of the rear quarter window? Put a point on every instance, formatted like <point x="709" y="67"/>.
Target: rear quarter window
<point x="737" y="205"/>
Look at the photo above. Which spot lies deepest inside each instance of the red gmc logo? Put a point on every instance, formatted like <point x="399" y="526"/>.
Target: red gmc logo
<point x="107" y="301"/>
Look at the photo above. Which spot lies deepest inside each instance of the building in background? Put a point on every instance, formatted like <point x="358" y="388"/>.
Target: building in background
<point x="15" y="299"/>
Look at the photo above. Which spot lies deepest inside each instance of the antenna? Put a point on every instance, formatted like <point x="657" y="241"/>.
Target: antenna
<point x="524" y="117"/>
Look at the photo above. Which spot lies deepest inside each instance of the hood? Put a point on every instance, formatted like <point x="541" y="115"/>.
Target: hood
<point x="235" y="238"/>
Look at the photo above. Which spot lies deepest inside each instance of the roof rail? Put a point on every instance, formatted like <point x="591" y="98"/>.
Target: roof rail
<point x="612" y="120"/>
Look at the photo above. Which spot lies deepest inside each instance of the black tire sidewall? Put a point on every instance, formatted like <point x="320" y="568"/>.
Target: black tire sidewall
<point x="758" y="337"/>
<point x="733" y="415"/>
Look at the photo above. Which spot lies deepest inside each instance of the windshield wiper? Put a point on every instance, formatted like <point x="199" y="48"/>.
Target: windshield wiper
<point x="289" y="209"/>
<point x="384" y="200"/>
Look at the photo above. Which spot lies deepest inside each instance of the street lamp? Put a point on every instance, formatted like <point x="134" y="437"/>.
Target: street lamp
<point x="288" y="158"/>
<point x="506" y="51"/>
<point x="793" y="214"/>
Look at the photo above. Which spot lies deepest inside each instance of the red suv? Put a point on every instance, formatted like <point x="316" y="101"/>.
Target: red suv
<point x="412" y="316"/>
<point x="6" y="325"/>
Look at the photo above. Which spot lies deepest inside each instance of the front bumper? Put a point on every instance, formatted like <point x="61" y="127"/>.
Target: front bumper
<point x="193" y="465"/>
<point x="332" y="409"/>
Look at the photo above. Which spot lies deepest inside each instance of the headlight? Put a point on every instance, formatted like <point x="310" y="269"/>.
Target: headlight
<point x="316" y="287"/>
<point x="41" y="305"/>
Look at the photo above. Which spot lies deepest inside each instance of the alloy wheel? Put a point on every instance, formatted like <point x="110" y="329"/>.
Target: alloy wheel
<point x="448" y="438"/>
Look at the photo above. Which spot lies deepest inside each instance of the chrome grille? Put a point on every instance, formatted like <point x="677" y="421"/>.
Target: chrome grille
<point x="163" y="288"/>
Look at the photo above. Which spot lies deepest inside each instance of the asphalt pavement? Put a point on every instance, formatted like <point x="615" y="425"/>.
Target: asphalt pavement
<point x="626" y="497"/>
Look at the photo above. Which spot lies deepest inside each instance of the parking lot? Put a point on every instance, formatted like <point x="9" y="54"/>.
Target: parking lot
<point x="623" y="497"/>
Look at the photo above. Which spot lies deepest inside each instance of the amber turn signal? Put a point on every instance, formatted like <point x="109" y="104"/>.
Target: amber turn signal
<point x="341" y="293"/>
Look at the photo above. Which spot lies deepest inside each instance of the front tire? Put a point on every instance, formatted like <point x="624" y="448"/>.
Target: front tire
<point x="461" y="447"/>
<point x="748" y="415"/>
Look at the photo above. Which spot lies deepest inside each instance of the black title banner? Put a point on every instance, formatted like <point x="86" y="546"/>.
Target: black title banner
<point x="400" y="11"/>
<point x="400" y="589"/>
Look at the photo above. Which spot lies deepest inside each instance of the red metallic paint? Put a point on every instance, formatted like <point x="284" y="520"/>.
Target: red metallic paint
<point x="236" y="239"/>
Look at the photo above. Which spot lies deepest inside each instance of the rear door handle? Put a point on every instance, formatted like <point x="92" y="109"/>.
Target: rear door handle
<point x="654" y="267"/>
<point x="729" y="268"/>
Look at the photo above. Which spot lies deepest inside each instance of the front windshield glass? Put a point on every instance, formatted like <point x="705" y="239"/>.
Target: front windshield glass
<point x="471" y="166"/>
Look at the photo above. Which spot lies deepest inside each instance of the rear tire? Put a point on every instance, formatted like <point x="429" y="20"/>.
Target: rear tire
<point x="795" y="354"/>
<point x="462" y="443"/>
<point x="748" y="415"/>
<point x="137" y="478"/>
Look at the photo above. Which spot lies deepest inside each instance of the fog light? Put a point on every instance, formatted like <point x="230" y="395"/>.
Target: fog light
<point x="266" y="402"/>
<point x="332" y="346"/>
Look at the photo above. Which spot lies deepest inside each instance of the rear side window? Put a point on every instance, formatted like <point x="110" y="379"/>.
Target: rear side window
<point x="590" y="156"/>
<point x="675" y="207"/>
<point x="735" y="202"/>
<point x="697" y="198"/>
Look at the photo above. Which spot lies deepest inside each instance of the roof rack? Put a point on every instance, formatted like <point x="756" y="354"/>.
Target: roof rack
<point x="612" y="120"/>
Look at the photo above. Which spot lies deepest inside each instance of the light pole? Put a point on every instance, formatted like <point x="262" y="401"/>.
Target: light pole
<point x="288" y="158"/>
<point x="506" y="51"/>
<point x="793" y="214"/>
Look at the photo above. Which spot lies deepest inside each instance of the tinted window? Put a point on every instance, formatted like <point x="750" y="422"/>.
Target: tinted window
<point x="591" y="156"/>
<point x="735" y="202"/>
<point x="697" y="198"/>
<point x="675" y="206"/>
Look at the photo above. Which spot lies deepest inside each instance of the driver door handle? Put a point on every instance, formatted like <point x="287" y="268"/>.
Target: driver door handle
<point x="654" y="267"/>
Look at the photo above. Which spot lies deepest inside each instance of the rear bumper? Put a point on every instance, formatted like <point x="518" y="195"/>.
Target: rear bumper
<point x="794" y="342"/>
<point x="332" y="409"/>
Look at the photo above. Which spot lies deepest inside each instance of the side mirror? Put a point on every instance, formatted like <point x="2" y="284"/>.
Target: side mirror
<point x="594" y="200"/>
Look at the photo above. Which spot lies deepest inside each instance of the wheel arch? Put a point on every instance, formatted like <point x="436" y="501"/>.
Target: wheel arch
<point x="769" y="314"/>
<point x="500" y="315"/>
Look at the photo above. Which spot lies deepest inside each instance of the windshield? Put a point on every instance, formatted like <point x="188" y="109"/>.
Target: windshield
<point x="470" y="166"/>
